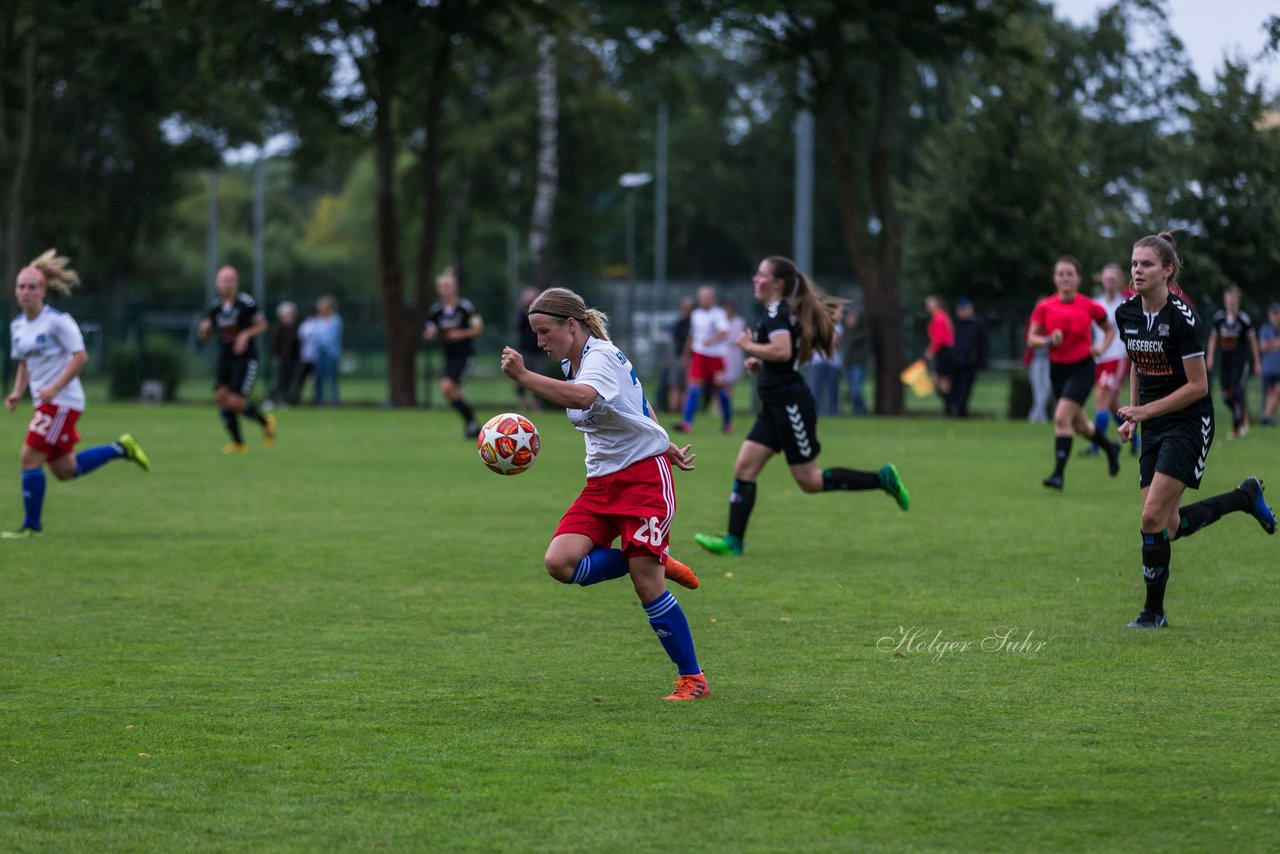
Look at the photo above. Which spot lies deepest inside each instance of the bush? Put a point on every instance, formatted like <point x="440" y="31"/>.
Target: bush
<point x="1020" y="397"/>
<point x="161" y="359"/>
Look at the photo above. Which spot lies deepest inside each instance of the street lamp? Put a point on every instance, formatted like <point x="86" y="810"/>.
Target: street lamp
<point x="631" y="181"/>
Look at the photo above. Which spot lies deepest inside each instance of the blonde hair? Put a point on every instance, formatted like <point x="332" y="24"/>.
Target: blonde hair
<point x="57" y="271"/>
<point x="816" y="311"/>
<point x="562" y="303"/>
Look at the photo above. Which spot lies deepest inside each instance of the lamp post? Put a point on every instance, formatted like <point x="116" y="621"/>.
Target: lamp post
<point x="630" y="182"/>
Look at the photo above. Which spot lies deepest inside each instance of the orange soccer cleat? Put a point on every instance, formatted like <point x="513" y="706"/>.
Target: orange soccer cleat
<point x="690" y="688"/>
<point x="679" y="572"/>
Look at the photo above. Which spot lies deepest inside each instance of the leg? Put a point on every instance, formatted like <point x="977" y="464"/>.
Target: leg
<point x="668" y="622"/>
<point x="33" y="485"/>
<point x="1160" y="503"/>
<point x="565" y="553"/>
<point x="752" y="457"/>
<point x="812" y="479"/>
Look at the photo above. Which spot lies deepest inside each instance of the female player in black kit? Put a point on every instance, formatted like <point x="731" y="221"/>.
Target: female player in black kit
<point x="1169" y="397"/>
<point x="798" y="319"/>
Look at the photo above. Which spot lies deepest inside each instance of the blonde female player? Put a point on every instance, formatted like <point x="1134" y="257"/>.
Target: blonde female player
<point x="629" y="492"/>
<point x="49" y="350"/>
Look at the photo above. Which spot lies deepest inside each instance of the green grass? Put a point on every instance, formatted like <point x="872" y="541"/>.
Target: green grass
<point x="349" y="642"/>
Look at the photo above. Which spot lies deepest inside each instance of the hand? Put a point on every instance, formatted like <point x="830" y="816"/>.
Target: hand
<point x="681" y="458"/>
<point x="1132" y="415"/>
<point x="752" y="365"/>
<point x="744" y="339"/>
<point x="206" y="327"/>
<point x="430" y="331"/>
<point x="41" y="396"/>
<point x="1055" y="338"/>
<point x="11" y="400"/>
<point x="241" y="344"/>
<point x="1095" y="352"/>
<point x="513" y="363"/>
<point x="1126" y="431"/>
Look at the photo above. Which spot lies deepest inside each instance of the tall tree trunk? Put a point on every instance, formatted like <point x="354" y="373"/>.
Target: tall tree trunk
<point x="401" y="331"/>
<point x="544" y="200"/>
<point x="877" y="271"/>
<point x="15" y="208"/>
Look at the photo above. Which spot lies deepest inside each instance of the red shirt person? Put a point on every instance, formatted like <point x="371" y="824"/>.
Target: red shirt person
<point x="1063" y="323"/>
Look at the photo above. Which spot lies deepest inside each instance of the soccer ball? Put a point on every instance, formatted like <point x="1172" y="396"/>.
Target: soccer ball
<point x="508" y="443"/>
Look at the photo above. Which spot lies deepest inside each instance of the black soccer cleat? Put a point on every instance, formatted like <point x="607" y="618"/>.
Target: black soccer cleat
<point x="1113" y="459"/>
<point x="1149" y="620"/>
<point x="1258" y="508"/>
<point x="1054" y="481"/>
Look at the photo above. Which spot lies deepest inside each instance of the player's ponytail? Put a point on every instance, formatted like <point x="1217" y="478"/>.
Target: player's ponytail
<point x="562" y="303"/>
<point x="816" y="311"/>
<point x="56" y="270"/>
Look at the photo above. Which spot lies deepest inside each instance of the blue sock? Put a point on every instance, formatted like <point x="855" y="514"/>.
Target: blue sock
<point x="90" y="458"/>
<point x="1100" y="422"/>
<point x="33" y="496"/>
<point x="600" y="564"/>
<point x="672" y="630"/>
<point x="691" y="405"/>
<point x="726" y="406"/>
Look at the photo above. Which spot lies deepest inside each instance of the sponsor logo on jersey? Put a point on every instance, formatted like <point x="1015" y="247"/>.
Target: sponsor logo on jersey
<point x="1163" y="330"/>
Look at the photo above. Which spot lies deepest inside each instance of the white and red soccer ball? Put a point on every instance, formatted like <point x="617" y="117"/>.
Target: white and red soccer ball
<point x="508" y="443"/>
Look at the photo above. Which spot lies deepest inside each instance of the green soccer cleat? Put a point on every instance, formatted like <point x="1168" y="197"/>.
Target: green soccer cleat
<point x="23" y="533"/>
<point x="133" y="451"/>
<point x="891" y="482"/>
<point x="726" y="545"/>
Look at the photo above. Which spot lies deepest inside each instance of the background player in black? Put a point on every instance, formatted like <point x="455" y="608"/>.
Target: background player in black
<point x="457" y="324"/>
<point x="237" y="320"/>
<point x="1169" y="397"/>
<point x="1233" y="342"/>
<point x="798" y="319"/>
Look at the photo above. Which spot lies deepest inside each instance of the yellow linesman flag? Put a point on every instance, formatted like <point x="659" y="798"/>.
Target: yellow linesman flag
<point x="916" y="376"/>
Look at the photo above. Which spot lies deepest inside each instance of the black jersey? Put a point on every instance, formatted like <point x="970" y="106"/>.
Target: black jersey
<point x="778" y="376"/>
<point x="1232" y="333"/>
<point x="1157" y="344"/>
<point x="231" y="320"/>
<point x="459" y="316"/>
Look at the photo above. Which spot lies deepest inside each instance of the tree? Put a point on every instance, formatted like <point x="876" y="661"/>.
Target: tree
<point x="861" y="56"/>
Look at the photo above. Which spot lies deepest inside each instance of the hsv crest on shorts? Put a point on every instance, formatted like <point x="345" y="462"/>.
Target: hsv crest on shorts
<point x="508" y="443"/>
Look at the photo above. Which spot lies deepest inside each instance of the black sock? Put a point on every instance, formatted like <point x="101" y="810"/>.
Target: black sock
<point x="464" y="409"/>
<point x="849" y="480"/>
<point x="1061" y="452"/>
<point x="1193" y="517"/>
<point x="232" y="423"/>
<point x="251" y="411"/>
<point x="1155" y="568"/>
<point x="1100" y="439"/>
<point x="740" y="504"/>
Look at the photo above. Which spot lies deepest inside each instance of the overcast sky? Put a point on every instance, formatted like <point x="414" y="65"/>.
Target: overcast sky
<point x="1210" y="29"/>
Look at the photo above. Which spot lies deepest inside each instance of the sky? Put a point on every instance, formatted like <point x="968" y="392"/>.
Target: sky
<point x="1210" y="29"/>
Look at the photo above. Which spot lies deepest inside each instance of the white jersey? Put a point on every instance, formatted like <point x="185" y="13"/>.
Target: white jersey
<point x="1116" y="350"/>
<point x="731" y="352"/>
<point x="617" y="426"/>
<point x="703" y="324"/>
<point x="46" y="344"/>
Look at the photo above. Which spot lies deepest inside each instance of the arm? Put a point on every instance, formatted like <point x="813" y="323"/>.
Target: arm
<point x="472" y="330"/>
<point x="560" y="392"/>
<point x="1036" y="337"/>
<point x="258" y="327"/>
<point x="76" y="364"/>
<point x="777" y="350"/>
<point x="1127" y="428"/>
<point x="19" y="387"/>
<point x="1209" y="350"/>
<point x="1257" y="353"/>
<point x="1108" y="335"/>
<point x="1197" y="386"/>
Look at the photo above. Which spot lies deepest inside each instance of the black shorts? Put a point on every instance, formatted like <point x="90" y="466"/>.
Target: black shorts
<point x="458" y="368"/>
<point x="789" y="425"/>
<point x="1177" y="448"/>
<point x="237" y="374"/>
<point x="1231" y="369"/>
<point x="1073" y="381"/>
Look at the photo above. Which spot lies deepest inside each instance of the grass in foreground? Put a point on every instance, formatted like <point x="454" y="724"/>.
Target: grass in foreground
<point x="348" y="641"/>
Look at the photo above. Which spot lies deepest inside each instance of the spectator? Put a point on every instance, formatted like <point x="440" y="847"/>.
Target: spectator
<point x="328" y="341"/>
<point x="970" y="355"/>
<point x="824" y="375"/>
<point x="285" y="353"/>
<point x="306" y="352"/>
<point x="1037" y="361"/>
<point x="1269" y="347"/>
<point x="856" y="344"/>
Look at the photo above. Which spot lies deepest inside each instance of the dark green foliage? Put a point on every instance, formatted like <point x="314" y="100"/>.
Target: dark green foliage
<point x="159" y="359"/>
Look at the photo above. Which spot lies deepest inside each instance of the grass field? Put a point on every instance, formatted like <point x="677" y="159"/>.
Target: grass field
<point x="349" y="642"/>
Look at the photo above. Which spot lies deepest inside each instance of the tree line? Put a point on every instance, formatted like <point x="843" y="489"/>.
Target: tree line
<point x="961" y="146"/>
